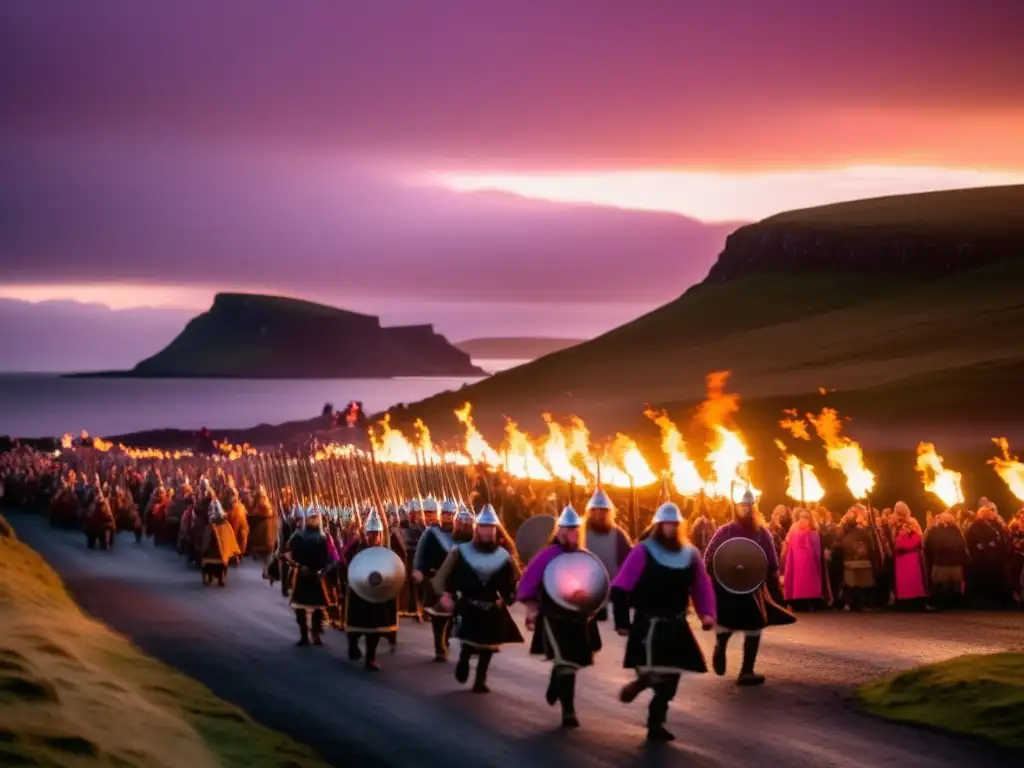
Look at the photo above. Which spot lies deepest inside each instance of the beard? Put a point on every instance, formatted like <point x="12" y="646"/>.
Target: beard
<point x="462" y="536"/>
<point x="748" y="523"/>
<point x="603" y="526"/>
<point x="672" y="543"/>
<point x="447" y="526"/>
<point x="486" y="547"/>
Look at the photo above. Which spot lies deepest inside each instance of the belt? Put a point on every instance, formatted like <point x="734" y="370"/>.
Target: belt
<point x="484" y="604"/>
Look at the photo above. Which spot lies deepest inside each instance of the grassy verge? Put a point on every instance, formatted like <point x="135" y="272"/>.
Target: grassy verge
<point x="74" y="694"/>
<point x="977" y="696"/>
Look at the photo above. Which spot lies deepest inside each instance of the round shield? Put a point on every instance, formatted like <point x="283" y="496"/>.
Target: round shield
<point x="533" y="536"/>
<point x="376" y="574"/>
<point x="740" y="566"/>
<point x="577" y="582"/>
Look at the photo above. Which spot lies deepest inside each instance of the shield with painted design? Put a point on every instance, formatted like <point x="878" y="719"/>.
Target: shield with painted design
<point x="740" y="566"/>
<point x="533" y="536"/>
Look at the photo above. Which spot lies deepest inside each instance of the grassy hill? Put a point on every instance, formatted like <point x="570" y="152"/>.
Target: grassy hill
<point x="74" y="695"/>
<point x="909" y="307"/>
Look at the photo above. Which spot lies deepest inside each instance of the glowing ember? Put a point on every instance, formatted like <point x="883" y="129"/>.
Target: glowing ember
<point x="802" y="484"/>
<point x="685" y="476"/>
<point x="843" y="453"/>
<point x="1009" y="468"/>
<point x="475" y="446"/>
<point x="944" y="483"/>
<point x="66" y="441"/>
<point x="796" y="426"/>
<point x="728" y="461"/>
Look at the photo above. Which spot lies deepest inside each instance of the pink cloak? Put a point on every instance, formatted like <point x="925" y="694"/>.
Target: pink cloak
<point x="802" y="565"/>
<point x="910" y="583"/>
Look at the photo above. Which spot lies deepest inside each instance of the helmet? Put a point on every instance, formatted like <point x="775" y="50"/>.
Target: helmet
<point x="668" y="513"/>
<point x="415" y="505"/>
<point x="465" y="516"/>
<point x="748" y="498"/>
<point x="430" y="504"/>
<point x="216" y="511"/>
<point x="600" y="500"/>
<point x="448" y="507"/>
<point x="569" y="518"/>
<point x="373" y="523"/>
<point x="488" y="516"/>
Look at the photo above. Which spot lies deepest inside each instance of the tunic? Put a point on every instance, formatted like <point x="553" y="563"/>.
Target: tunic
<point x="484" y="585"/>
<point x="910" y="571"/>
<point x="611" y="547"/>
<point x="760" y="608"/>
<point x="564" y="637"/>
<point x="362" y="617"/>
<point x="803" y="565"/>
<point x="219" y="544"/>
<point x="659" y="584"/>
<point x="431" y="550"/>
<point x="308" y="550"/>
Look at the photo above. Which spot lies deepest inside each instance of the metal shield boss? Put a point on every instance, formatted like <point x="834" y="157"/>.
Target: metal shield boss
<point x="740" y="566"/>
<point x="377" y="575"/>
<point x="533" y="536"/>
<point x="578" y="582"/>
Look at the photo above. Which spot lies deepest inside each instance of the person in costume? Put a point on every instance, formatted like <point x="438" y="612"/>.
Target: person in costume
<point x="363" y="619"/>
<point x="218" y="547"/>
<point x="431" y="550"/>
<point x="238" y="517"/>
<point x="747" y="613"/>
<point x="411" y="600"/>
<point x="568" y="640"/>
<point x="477" y="583"/>
<point x="262" y="526"/>
<point x="604" y="538"/>
<point x="658" y="581"/>
<point x="307" y="554"/>
<point x="99" y="522"/>
<point x="911" y="583"/>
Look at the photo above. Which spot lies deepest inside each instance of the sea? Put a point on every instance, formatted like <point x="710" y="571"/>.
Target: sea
<point x="47" y="405"/>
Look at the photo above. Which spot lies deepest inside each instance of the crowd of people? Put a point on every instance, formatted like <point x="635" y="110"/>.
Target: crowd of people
<point x="463" y="570"/>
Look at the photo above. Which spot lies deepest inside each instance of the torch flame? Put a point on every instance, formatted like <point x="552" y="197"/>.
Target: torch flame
<point x="392" y="447"/>
<point x="684" y="473"/>
<point x="523" y="461"/>
<point x="843" y="453"/>
<point x="475" y="446"/>
<point x="558" y="453"/>
<point x="944" y="483"/>
<point x="1009" y="468"/>
<point x="728" y="459"/>
<point x="802" y="483"/>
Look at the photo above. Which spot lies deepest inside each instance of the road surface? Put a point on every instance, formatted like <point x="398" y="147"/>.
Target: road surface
<point x="239" y="641"/>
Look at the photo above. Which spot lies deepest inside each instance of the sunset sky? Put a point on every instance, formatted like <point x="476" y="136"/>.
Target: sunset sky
<point x="375" y="154"/>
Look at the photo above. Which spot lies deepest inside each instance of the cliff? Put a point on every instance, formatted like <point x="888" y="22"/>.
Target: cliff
<point x="908" y="306"/>
<point x="261" y="337"/>
<point x="514" y="348"/>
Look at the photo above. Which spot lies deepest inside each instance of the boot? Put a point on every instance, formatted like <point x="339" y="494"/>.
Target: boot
<point x="354" y="654"/>
<point x="480" y="683"/>
<point x="567" y="693"/>
<point x="630" y="691"/>
<point x="439" y="625"/>
<point x="718" y="657"/>
<point x="371" y="664"/>
<point x="551" y="696"/>
<point x="747" y="675"/>
<point x="317" y="628"/>
<point x="300" y="618"/>
<point x="657" y="712"/>
<point x="462" y="668"/>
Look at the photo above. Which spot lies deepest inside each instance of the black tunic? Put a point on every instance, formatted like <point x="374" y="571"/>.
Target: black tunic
<point x="660" y="639"/>
<point x="564" y="637"/>
<point x="308" y="550"/>
<point x="484" y="585"/>
<point x="365" y="618"/>
<point x="431" y="551"/>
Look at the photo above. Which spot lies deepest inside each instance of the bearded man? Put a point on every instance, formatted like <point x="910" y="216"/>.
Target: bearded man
<point x="608" y="541"/>
<point x="431" y="550"/>
<point x="307" y="554"/>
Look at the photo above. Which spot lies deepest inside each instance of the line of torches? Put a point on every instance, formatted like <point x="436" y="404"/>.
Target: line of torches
<point x="567" y="454"/>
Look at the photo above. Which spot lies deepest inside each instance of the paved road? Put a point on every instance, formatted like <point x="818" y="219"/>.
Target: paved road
<point x="240" y="642"/>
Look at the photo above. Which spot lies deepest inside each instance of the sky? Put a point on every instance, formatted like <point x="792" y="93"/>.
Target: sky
<point x="544" y="167"/>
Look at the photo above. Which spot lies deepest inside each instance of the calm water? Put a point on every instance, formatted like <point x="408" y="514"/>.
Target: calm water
<point x="34" y="405"/>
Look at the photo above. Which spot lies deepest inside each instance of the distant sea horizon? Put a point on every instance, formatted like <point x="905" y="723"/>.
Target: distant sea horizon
<point x="49" y="405"/>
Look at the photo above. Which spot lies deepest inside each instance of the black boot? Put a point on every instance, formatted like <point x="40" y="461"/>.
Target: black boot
<point x="657" y="712"/>
<point x="462" y="668"/>
<point x="480" y="683"/>
<point x="300" y="617"/>
<point x="354" y="654"/>
<point x="718" y="657"/>
<point x="551" y="696"/>
<point x="747" y="675"/>
<point x="371" y="653"/>
<point x="630" y="691"/>
<point x="317" y="628"/>
<point x="567" y="694"/>
<point x="439" y="625"/>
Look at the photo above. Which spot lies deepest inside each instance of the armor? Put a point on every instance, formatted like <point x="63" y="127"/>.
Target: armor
<point x="740" y="566"/>
<point x="668" y="513"/>
<point x="484" y="564"/>
<point x="465" y="516"/>
<point x="577" y="582"/>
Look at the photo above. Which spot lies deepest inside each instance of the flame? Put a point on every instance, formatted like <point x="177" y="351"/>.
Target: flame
<point x="627" y="457"/>
<point x="1009" y="468"/>
<point x="944" y="483"/>
<point x="100" y="444"/>
<point x="431" y="454"/>
<point x="729" y="457"/>
<point x="66" y="441"/>
<point x="521" y="457"/>
<point x="802" y="483"/>
<point x="558" y="452"/>
<point x="796" y="426"/>
<point x="685" y="476"/>
<point x="392" y="447"/>
<point x="843" y="453"/>
<point x="475" y="445"/>
<point x="234" y="452"/>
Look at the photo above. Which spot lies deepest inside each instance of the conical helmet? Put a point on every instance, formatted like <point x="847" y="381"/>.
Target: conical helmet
<point x="373" y="523"/>
<point x="668" y="513"/>
<point x="569" y="518"/>
<point x="448" y="507"/>
<point x="430" y="504"/>
<point x="748" y="498"/>
<point x="465" y="516"/>
<point x="600" y="500"/>
<point x="488" y="516"/>
<point x="415" y="505"/>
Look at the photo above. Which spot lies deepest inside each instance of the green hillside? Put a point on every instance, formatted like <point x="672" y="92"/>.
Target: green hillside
<point x="925" y="321"/>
